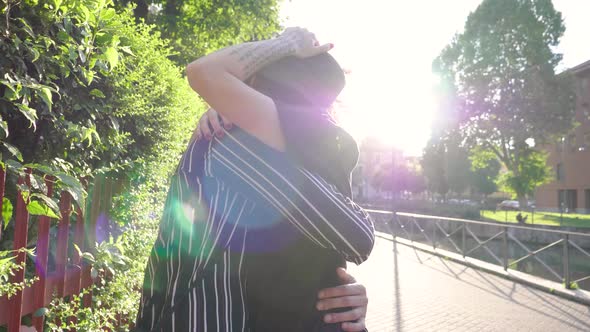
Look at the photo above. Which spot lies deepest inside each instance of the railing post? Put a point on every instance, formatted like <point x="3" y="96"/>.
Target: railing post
<point x="434" y="234"/>
<point x="505" y="248"/>
<point x="390" y="224"/>
<point x="566" y="261"/>
<point x="463" y="240"/>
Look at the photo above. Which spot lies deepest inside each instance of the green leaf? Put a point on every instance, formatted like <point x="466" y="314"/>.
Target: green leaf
<point x="4" y="127"/>
<point x="86" y="13"/>
<point x="36" y="54"/>
<point x="57" y="4"/>
<point x="108" y="14"/>
<point x="63" y="36"/>
<point x="45" y="94"/>
<point x="78" y="251"/>
<point x="93" y="273"/>
<point x="15" y="166"/>
<point x="48" y="202"/>
<point x="29" y="113"/>
<point x="26" y="27"/>
<point x="40" y="312"/>
<point x="97" y="93"/>
<point x="6" y="211"/>
<point x="126" y="50"/>
<point x="112" y="56"/>
<point x="77" y="195"/>
<point x="73" y="186"/>
<point x="37" y="208"/>
<point x="14" y="151"/>
<point x="88" y="256"/>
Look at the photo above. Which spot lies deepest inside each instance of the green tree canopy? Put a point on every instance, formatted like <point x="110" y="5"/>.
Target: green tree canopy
<point x="500" y="73"/>
<point x="197" y="27"/>
<point x="485" y="169"/>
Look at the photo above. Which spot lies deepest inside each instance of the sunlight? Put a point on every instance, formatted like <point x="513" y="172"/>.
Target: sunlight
<point x="397" y="115"/>
<point x="389" y="90"/>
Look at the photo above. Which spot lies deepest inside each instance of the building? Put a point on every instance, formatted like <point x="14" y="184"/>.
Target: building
<point x="374" y="156"/>
<point x="570" y="159"/>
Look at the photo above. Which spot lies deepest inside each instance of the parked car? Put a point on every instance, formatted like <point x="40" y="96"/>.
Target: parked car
<point x="508" y="205"/>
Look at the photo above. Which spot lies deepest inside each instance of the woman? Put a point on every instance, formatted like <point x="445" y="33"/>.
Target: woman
<point x="197" y="277"/>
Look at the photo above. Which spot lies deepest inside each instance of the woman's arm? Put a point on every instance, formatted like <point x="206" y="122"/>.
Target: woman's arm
<point x="219" y="78"/>
<point x="269" y="179"/>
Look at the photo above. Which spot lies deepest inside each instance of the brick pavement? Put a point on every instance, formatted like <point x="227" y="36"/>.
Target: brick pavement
<point x="415" y="291"/>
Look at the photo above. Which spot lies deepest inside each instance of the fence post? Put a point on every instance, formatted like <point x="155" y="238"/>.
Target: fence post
<point x="20" y="241"/>
<point x="566" y="261"/>
<point x="463" y="240"/>
<point x="61" y="250"/>
<point x="412" y="231"/>
<point x="41" y="259"/>
<point x="2" y="182"/>
<point x="434" y="234"/>
<point x="505" y="248"/>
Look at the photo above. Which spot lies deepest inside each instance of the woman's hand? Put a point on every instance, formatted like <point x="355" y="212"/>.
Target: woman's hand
<point x="211" y="123"/>
<point x="349" y="294"/>
<point x="304" y="43"/>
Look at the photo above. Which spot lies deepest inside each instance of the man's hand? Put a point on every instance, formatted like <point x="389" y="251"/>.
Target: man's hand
<point x="350" y="294"/>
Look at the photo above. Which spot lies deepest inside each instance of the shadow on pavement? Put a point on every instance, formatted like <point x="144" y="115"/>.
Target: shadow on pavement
<point x="551" y="309"/>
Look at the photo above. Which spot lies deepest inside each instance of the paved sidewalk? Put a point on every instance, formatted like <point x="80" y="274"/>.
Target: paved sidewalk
<point x="416" y="291"/>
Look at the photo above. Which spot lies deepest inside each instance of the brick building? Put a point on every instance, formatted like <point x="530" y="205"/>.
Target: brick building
<point x="570" y="158"/>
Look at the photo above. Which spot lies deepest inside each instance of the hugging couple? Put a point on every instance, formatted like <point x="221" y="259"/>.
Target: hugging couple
<point x="259" y="222"/>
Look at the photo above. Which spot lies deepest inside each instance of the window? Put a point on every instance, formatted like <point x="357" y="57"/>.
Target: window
<point x="559" y="173"/>
<point x="567" y="200"/>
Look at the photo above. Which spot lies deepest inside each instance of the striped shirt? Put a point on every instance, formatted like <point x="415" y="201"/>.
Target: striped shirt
<point x="223" y="191"/>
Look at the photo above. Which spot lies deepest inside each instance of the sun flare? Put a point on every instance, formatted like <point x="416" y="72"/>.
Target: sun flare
<point x="395" y="115"/>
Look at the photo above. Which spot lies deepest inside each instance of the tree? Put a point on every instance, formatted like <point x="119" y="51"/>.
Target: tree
<point x="501" y="72"/>
<point x="458" y="166"/>
<point x="449" y="164"/>
<point x="533" y="172"/>
<point x="485" y="169"/>
<point x="433" y="166"/>
<point x="398" y="178"/>
<point x="196" y="27"/>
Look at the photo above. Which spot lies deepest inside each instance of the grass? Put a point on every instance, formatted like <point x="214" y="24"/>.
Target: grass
<point x="540" y="218"/>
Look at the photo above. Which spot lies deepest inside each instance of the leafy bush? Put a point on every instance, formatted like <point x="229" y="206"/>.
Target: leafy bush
<point x="7" y="268"/>
<point x="87" y="90"/>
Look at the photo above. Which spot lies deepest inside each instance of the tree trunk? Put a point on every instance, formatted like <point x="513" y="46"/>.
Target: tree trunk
<point x="522" y="201"/>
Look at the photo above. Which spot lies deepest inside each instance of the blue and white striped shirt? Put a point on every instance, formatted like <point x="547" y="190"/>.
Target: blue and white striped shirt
<point x="222" y="193"/>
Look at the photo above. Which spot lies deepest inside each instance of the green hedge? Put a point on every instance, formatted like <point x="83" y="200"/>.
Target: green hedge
<point x="85" y="90"/>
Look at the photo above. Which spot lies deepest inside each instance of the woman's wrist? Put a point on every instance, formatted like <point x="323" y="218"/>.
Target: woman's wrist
<point x="250" y="57"/>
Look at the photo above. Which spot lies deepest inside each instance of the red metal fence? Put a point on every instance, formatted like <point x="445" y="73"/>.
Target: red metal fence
<point x="69" y="274"/>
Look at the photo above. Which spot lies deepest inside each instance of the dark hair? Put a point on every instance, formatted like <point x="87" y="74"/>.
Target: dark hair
<point x="314" y="81"/>
<point x="303" y="90"/>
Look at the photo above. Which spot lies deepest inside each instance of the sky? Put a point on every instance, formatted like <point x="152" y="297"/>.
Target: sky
<point x="388" y="47"/>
